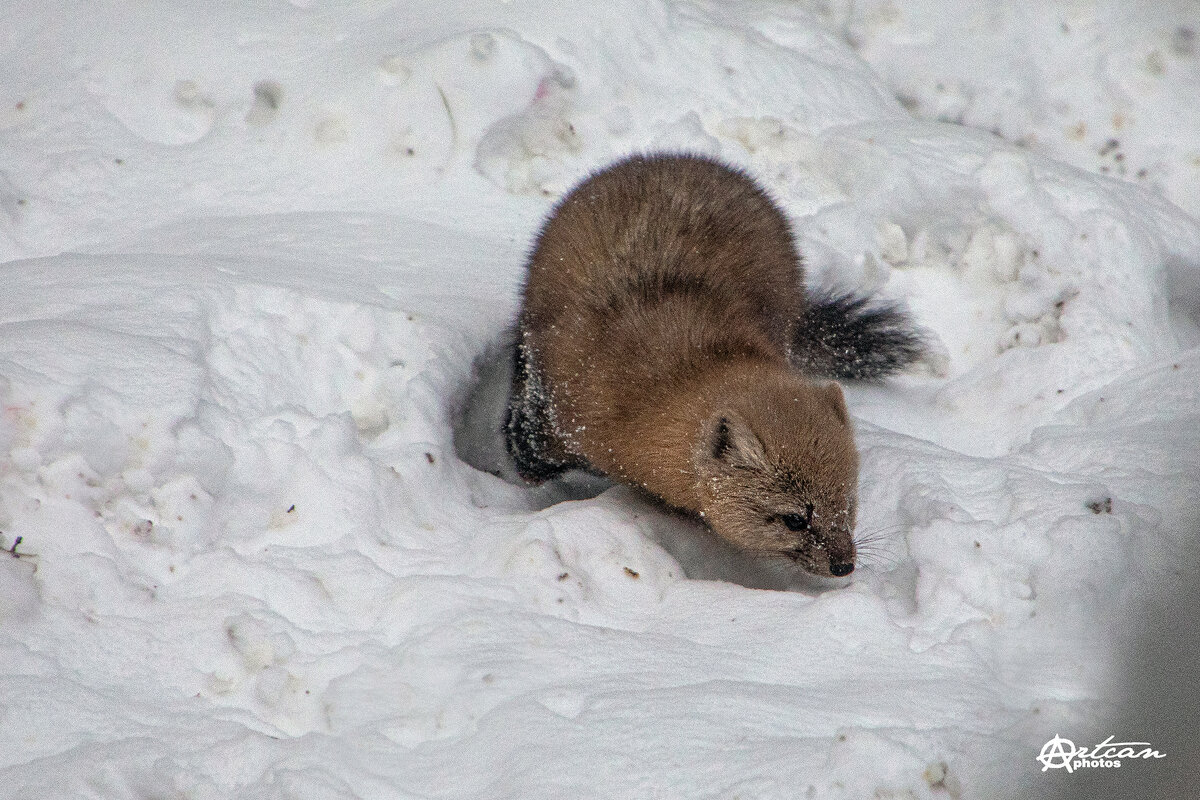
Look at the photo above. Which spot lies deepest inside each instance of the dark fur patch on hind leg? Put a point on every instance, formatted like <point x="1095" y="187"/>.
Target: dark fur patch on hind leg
<point x="528" y="427"/>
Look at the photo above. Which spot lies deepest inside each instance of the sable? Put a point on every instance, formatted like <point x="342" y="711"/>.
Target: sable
<point x="662" y="338"/>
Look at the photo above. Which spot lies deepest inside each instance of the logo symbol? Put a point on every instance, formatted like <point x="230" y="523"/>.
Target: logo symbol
<point x="1060" y="752"/>
<point x="1056" y="753"/>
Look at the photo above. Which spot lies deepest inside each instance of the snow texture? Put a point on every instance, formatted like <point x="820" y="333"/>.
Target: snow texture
<point x="260" y="266"/>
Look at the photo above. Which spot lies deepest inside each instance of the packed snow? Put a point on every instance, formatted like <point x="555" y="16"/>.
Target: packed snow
<point x="261" y="263"/>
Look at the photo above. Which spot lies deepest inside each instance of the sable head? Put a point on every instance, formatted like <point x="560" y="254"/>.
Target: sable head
<point x="779" y="474"/>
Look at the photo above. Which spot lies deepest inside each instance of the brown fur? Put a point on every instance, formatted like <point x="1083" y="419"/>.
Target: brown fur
<point x="660" y="301"/>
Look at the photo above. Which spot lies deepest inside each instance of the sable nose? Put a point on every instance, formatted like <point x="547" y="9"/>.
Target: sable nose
<point x="840" y="570"/>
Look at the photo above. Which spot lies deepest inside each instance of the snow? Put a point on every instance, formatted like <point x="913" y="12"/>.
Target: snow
<point x="260" y="266"/>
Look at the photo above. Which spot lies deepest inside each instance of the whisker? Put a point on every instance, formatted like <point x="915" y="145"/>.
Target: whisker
<point x="880" y="547"/>
<point x="879" y="541"/>
<point x="873" y="552"/>
<point x="889" y="558"/>
<point x="879" y="566"/>
<point x="877" y="536"/>
<point x="886" y="547"/>
<point x="869" y="543"/>
<point x="880" y="532"/>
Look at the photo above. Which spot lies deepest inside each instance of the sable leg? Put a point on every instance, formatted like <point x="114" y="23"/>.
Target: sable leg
<point x="528" y="429"/>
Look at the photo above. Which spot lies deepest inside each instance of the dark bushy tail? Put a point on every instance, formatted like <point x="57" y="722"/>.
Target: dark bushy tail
<point x="847" y="336"/>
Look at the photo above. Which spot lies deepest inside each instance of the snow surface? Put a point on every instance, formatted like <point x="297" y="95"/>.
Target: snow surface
<point x="260" y="262"/>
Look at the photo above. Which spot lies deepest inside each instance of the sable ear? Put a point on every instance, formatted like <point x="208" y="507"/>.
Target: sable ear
<point x="831" y="393"/>
<point x="731" y="441"/>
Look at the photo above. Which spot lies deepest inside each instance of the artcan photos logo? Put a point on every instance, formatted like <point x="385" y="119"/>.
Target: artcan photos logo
<point x="1061" y="753"/>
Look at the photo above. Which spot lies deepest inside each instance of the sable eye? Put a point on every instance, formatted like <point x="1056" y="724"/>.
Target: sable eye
<point x="795" y="522"/>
